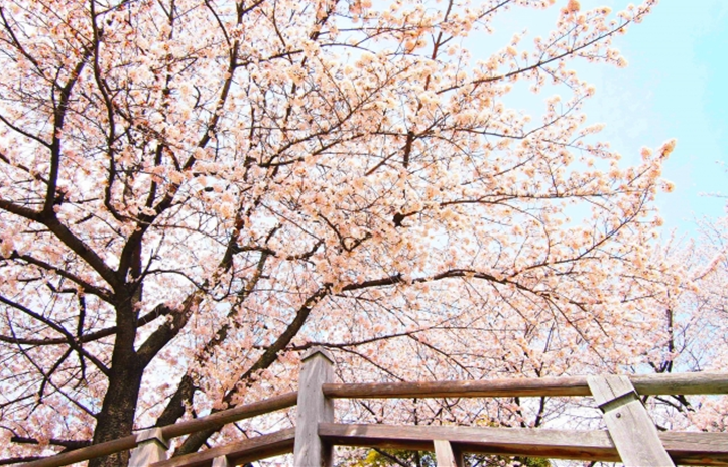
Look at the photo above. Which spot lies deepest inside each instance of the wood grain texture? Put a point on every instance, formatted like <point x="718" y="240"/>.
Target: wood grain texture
<point x="606" y="389"/>
<point x="151" y="447"/>
<point x="219" y="419"/>
<point x="630" y="426"/>
<point x="170" y="431"/>
<point x="445" y="455"/>
<point x="511" y="387"/>
<point x="658" y="384"/>
<point x="84" y="454"/>
<point x="260" y="447"/>
<point x="317" y="368"/>
<point x="566" y="386"/>
<point x="686" y="448"/>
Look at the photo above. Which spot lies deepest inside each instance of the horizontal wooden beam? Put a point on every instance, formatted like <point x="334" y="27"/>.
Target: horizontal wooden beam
<point x="84" y="454"/>
<point x="566" y="386"/>
<point x="170" y="431"/>
<point x="685" y="448"/>
<point x="260" y="447"/>
<point x="219" y="419"/>
<point x="657" y="384"/>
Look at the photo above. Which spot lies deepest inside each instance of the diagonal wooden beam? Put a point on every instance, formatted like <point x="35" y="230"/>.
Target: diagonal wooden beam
<point x="630" y="426"/>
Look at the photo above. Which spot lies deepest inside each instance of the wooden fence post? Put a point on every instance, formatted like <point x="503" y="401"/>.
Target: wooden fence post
<point x="221" y="461"/>
<point x="151" y="447"/>
<point x="317" y="367"/>
<point x="446" y="455"/>
<point x="632" y="431"/>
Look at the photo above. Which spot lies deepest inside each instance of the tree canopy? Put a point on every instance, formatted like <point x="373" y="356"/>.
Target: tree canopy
<point x="194" y="191"/>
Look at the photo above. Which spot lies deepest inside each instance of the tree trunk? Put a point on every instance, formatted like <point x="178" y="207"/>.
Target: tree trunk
<point x="116" y="418"/>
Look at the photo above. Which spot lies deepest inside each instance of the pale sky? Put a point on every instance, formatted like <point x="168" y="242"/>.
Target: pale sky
<point x="675" y="86"/>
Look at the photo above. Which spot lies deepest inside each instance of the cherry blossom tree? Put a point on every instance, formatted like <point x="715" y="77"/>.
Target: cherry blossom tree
<point x="706" y="332"/>
<point x="693" y="335"/>
<point x="194" y="191"/>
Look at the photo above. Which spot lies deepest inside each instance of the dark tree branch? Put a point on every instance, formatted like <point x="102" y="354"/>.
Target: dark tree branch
<point x="85" y="287"/>
<point x="195" y="441"/>
<point x="91" y="336"/>
<point x="68" y="444"/>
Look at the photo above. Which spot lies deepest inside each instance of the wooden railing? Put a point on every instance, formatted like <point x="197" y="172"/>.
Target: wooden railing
<point x="631" y="436"/>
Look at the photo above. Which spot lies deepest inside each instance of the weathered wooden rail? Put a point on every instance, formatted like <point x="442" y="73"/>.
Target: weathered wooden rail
<point x="631" y="436"/>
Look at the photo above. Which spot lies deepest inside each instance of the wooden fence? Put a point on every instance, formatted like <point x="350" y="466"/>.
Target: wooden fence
<point x="631" y="436"/>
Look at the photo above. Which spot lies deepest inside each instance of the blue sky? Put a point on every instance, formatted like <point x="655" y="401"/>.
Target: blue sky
<point x="675" y="86"/>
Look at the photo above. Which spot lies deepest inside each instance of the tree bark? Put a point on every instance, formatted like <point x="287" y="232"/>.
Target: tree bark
<point x="116" y="418"/>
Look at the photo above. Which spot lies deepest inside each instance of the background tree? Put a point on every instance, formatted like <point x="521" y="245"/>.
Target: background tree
<point x="692" y="336"/>
<point x="193" y="191"/>
<point x="376" y="457"/>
